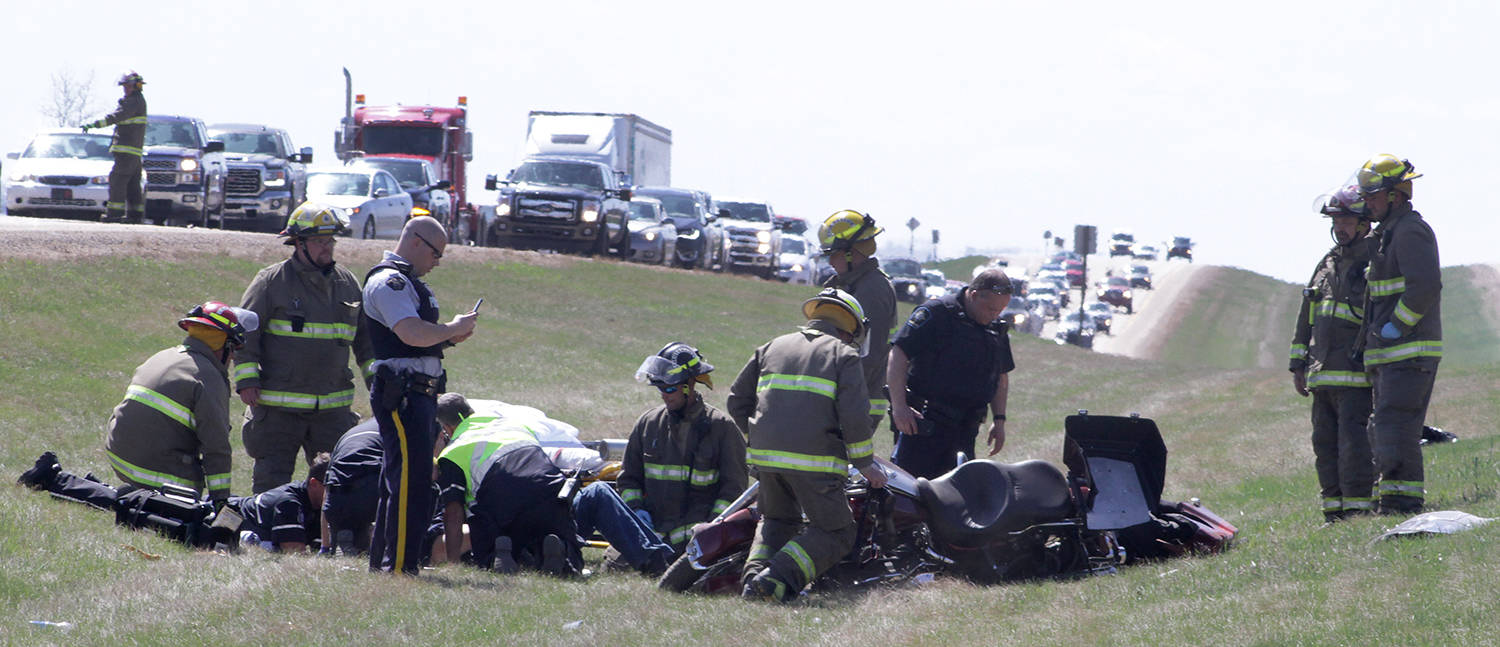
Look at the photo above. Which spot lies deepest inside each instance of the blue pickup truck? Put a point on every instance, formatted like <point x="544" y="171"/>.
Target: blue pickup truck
<point x="185" y="172"/>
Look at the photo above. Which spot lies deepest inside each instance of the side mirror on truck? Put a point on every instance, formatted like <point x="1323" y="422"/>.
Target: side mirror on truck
<point x="490" y="183"/>
<point x="214" y="146"/>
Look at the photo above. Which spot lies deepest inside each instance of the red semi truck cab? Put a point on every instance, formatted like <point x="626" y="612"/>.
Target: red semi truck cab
<point x="439" y="134"/>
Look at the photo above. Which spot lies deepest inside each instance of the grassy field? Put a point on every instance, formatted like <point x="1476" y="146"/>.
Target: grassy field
<point x="566" y="334"/>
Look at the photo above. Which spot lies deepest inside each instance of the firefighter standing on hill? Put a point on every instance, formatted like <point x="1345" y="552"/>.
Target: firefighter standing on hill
<point x="294" y="376"/>
<point x="802" y="396"/>
<point x="173" y="426"/>
<point x="685" y="460"/>
<point x="1403" y="333"/>
<point x="848" y="239"/>
<point x="129" y="120"/>
<point x="1327" y="328"/>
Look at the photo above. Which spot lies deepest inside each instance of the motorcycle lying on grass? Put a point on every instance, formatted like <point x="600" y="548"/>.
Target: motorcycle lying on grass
<point x="990" y="522"/>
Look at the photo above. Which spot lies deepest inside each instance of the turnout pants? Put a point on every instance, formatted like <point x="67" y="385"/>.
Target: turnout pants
<point x="274" y="435"/>
<point x="796" y="553"/>
<point x="1401" y="392"/>
<point x="1341" y="449"/>
<point x="407" y="433"/>
<point x="125" y="189"/>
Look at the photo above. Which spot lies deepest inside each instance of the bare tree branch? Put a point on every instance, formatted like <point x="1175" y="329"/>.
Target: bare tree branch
<point x="72" y="99"/>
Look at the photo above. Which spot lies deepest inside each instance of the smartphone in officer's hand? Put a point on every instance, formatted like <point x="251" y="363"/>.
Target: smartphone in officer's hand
<point x="478" y="303"/>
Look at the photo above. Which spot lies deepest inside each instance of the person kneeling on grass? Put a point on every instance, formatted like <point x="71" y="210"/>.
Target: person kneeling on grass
<point x="495" y="472"/>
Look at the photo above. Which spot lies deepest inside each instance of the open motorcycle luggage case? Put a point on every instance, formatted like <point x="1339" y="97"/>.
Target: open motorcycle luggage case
<point x="1123" y="464"/>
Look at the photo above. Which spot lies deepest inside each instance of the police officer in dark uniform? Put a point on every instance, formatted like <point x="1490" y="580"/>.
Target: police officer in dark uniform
<point x="402" y="315"/>
<point x="948" y="364"/>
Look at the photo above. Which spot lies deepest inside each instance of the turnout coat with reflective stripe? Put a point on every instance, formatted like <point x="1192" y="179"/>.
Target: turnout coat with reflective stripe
<point x="1405" y="286"/>
<point x="1329" y="320"/>
<point x="870" y="285"/>
<point x="803" y="398"/>
<point x="173" y="426"/>
<point x="299" y="358"/>
<point x="129" y="120"/>
<point x="683" y="469"/>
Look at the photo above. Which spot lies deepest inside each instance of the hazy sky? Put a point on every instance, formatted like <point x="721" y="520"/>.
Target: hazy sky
<point x="990" y="121"/>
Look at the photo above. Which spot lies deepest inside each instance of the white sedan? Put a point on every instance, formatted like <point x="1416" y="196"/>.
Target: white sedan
<point x="61" y="173"/>
<point x="373" y="200"/>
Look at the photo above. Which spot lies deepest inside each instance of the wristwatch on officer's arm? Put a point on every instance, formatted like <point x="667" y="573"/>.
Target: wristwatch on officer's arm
<point x="999" y="417"/>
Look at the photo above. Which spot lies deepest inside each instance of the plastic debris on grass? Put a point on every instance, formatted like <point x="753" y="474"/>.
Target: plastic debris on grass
<point x="1442" y="522"/>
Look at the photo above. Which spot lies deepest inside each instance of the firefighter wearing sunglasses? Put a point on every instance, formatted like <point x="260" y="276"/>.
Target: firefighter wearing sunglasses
<point x="685" y="460"/>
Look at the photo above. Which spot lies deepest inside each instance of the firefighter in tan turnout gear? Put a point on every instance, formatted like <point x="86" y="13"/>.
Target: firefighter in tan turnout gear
<point x="1323" y="365"/>
<point x="129" y="120"/>
<point x="173" y="426"/>
<point x="294" y="375"/>
<point x="802" y="396"/>
<point x="685" y="460"/>
<point x="848" y="239"/>
<point x="1403" y="331"/>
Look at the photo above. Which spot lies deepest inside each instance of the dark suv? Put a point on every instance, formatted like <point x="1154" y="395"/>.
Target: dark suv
<point x="1116" y="292"/>
<point x="700" y="239"/>
<point x="1182" y="247"/>
<point x="562" y="204"/>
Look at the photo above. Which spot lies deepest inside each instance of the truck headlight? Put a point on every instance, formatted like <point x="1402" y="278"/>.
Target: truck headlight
<point x="189" y="178"/>
<point x="99" y="179"/>
<point x="503" y="208"/>
<point x="275" y="178"/>
<point x="1125" y="293"/>
<point x="188" y="164"/>
<point x="650" y="236"/>
<point x="22" y="177"/>
<point x="1020" y="319"/>
<point x="796" y="268"/>
<point x="763" y="248"/>
<point x="590" y="212"/>
<point x="763" y="236"/>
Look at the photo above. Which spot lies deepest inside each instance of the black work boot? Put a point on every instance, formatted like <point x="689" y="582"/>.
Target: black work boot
<point x="344" y="539"/>
<point x="505" y="561"/>
<point x="767" y="588"/>
<point x="43" y="474"/>
<point x="554" y="557"/>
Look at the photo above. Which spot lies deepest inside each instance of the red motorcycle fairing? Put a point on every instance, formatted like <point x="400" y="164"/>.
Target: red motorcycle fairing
<point x="712" y="542"/>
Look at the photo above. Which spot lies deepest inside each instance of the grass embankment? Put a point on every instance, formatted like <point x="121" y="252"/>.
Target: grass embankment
<point x="958" y="269"/>
<point x="565" y="335"/>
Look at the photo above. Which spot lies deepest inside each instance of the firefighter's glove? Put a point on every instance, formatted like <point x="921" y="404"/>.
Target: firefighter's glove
<point x="1388" y="331"/>
<point x="645" y="517"/>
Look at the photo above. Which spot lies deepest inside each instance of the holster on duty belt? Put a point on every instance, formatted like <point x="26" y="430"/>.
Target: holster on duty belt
<point x="394" y="385"/>
<point x="935" y="413"/>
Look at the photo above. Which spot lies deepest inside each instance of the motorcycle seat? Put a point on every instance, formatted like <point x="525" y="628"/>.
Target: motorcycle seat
<point x="984" y="498"/>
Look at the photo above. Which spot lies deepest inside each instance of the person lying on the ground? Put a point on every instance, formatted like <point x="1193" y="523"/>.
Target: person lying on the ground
<point x="288" y="518"/>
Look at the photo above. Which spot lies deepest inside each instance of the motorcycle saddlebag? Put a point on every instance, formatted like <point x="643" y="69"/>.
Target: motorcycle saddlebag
<point x="1123" y="463"/>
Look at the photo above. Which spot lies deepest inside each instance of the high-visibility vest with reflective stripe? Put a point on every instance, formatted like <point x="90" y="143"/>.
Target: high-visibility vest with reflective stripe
<point x="479" y="442"/>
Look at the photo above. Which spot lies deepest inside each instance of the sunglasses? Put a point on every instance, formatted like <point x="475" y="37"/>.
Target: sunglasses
<point x="435" y="253"/>
<point x="668" y="389"/>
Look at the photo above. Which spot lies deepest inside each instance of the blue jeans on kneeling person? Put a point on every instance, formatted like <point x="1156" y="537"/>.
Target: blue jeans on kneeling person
<point x="599" y="507"/>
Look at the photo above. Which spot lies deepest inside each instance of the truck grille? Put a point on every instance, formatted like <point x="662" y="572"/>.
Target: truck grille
<point x="49" y="202"/>
<point x="62" y="180"/>
<point x="159" y="164"/>
<point x="546" y="209"/>
<point x="161" y="178"/>
<point x="243" y="181"/>
<point x="743" y="240"/>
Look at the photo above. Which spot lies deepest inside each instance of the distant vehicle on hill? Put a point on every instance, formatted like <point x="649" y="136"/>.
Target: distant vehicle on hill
<point x="1122" y="243"/>
<point x="1116" y="292"/>
<point x="1182" y="247"/>
<point x="1140" y="277"/>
